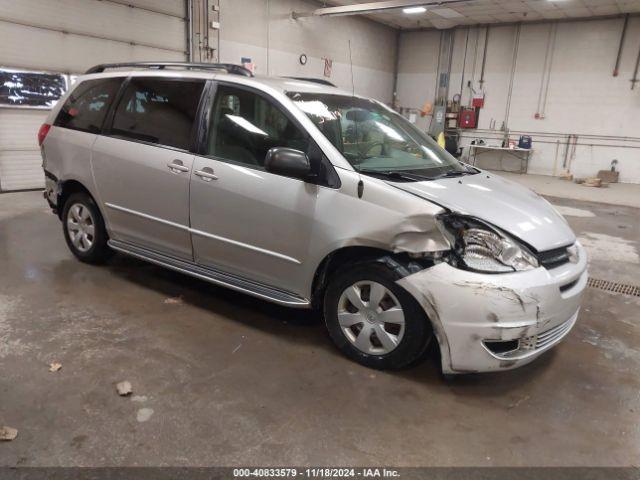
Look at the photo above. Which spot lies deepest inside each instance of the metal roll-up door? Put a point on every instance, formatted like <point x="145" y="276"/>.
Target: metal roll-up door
<point x="69" y="36"/>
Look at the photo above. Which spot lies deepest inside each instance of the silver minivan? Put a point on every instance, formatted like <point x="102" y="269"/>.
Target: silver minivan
<point x="301" y="194"/>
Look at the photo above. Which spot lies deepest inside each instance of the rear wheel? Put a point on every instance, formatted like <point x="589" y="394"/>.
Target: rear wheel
<point x="373" y="320"/>
<point x="84" y="229"/>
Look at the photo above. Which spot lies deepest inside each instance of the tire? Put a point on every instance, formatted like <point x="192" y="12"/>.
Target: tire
<point x="375" y="335"/>
<point x="84" y="229"/>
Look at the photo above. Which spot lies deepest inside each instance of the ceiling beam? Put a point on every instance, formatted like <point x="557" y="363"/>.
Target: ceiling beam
<point x="372" y="7"/>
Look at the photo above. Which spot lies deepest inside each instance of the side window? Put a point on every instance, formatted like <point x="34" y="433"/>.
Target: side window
<point x="87" y="105"/>
<point x="158" y="110"/>
<point x="245" y="125"/>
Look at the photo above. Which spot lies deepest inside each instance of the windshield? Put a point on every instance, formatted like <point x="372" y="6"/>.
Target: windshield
<point x="376" y="140"/>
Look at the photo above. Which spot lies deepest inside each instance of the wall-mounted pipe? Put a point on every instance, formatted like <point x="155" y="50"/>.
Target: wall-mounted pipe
<point x="189" y="12"/>
<point x="464" y="62"/>
<point x="204" y="5"/>
<point x="543" y="77"/>
<point x="396" y="71"/>
<point x="552" y="49"/>
<point x="475" y="54"/>
<point x="635" y="79"/>
<point x="558" y="134"/>
<point x="622" y="37"/>
<point x="514" y="63"/>
<point x="437" y="89"/>
<point x="207" y="23"/>
<point x="268" y="37"/>
<point x="484" y="55"/>
<point x="197" y="34"/>
<point x="217" y="58"/>
<point x="566" y="152"/>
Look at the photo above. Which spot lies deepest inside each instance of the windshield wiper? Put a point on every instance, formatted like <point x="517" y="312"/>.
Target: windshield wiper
<point x="455" y="173"/>
<point x="395" y="175"/>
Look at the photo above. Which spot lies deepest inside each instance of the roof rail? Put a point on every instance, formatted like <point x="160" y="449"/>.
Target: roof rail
<point x="321" y="81"/>
<point x="225" y="67"/>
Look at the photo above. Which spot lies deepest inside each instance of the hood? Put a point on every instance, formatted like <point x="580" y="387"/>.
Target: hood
<point x="507" y="205"/>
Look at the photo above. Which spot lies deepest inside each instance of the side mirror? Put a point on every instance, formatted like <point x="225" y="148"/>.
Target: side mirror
<point x="288" y="162"/>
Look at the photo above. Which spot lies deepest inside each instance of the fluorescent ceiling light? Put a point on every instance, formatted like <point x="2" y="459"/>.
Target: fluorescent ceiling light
<point x="414" y="10"/>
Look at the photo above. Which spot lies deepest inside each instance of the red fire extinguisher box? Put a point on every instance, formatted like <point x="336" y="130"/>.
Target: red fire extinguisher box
<point x="467" y="118"/>
<point x="477" y="102"/>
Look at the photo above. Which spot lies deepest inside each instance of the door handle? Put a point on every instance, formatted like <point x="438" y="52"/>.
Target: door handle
<point x="206" y="174"/>
<point x="177" y="166"/>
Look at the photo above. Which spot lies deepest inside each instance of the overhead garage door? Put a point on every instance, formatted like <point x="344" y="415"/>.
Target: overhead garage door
<point x="69" y="36"/>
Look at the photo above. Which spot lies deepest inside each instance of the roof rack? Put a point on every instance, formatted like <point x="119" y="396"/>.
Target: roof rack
<point x="224" y="67"/>
<point x="321" y="81"/>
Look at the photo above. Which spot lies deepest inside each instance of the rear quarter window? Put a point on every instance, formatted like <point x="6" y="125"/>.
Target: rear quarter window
<point x="158" y="110"/>
<point x="86" y="107"/>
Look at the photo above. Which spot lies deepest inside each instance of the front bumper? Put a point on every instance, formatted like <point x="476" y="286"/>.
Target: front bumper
<point x="488" y="322"/>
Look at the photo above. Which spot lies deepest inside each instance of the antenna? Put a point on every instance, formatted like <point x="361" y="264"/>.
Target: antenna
<point x="353" y="87"/>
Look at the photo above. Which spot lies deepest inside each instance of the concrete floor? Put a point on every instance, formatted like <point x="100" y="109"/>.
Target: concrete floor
<point x="626" y="194"/>
<point x="222" y="379"/>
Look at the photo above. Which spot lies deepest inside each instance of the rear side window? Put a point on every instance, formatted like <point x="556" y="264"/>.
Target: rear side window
<point x="87" y="105"/>
<point x="158" y="110"/>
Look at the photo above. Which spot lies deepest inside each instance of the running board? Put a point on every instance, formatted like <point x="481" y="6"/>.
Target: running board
<point x="214" y="276"/>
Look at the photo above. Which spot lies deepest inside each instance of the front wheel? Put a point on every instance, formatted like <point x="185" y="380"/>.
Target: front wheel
<point x="374" y="321"/>
<point x="84" y="229"/>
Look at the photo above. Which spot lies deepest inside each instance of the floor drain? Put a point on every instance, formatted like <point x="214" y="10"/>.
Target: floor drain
<point x="614" y="287"/>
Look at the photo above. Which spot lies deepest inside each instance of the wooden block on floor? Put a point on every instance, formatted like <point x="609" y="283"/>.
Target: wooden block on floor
<point x="592" y="182"/>
<point x="608" y="176"/>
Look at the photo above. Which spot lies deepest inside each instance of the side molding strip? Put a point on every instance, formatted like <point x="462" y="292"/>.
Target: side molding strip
<point x="244" y="245"/>
<point x="148" y="217"/>
<point x="205" y="234"/>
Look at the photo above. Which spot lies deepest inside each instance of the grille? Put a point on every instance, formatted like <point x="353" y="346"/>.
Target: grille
<point x="554" y="258"/>
<point x="526" y="345"/>
<point x="545" y="338"/>
<point x="614" y="287"/>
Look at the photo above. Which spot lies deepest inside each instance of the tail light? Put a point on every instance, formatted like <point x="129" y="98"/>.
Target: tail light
<point x="42" y="133"/>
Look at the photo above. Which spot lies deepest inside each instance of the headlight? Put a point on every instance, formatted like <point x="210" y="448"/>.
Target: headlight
<point x="482" y="248"/>
<point x="574" y="252"/>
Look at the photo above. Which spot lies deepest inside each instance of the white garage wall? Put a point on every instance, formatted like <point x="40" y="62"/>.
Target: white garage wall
<point x="417" y="70"/>
<point x="584" y="98"/>
<point x="264" y="31"/>
<point x="69" y="36"/>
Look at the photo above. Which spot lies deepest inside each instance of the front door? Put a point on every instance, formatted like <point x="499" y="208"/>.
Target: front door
<point x="245" y="220"/>
<point x="142" y="168"/>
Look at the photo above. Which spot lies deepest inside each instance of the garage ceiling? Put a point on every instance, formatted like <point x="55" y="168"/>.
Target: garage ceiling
<point x="476" y="12"/>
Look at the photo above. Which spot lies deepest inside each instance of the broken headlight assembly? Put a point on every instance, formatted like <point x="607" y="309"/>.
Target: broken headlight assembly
<point x="482" y="248"/>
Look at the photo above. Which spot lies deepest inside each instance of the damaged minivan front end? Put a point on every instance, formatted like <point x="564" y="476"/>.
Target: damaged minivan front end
<point x="497" y="271"/>
<point x="496" y="301"/>
<point x="492" y="321"/>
